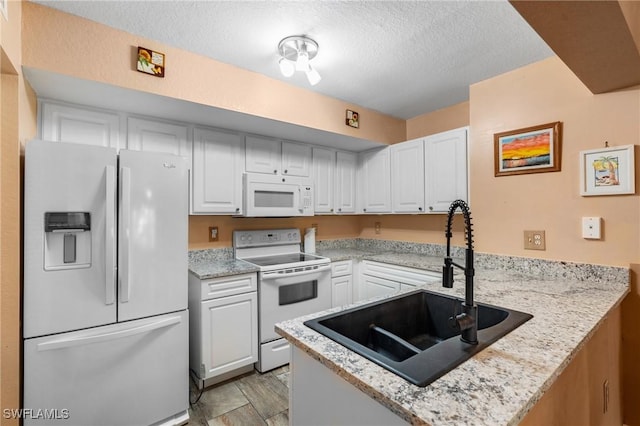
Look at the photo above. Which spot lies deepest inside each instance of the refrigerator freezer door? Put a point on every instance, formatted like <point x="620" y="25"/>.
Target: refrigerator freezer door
<point x="69" y="264"/>
<point x="153" y="234"/>
<point x="133" y="373"/>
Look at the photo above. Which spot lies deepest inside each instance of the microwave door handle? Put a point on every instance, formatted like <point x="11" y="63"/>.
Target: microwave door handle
<point x="300" y="207"/>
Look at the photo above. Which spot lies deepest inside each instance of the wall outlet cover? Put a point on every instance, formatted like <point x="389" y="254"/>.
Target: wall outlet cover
<point x="534" y="240"/>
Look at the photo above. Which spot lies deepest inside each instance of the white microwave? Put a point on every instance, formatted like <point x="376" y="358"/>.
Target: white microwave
<point x="277" y="196"/>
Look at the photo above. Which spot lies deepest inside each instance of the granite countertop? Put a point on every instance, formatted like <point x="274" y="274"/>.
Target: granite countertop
<point x="499" y="385"/>
<point x="206" y="268"/>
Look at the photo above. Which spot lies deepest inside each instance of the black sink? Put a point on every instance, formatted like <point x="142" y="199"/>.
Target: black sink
<point x="411" y="334"/>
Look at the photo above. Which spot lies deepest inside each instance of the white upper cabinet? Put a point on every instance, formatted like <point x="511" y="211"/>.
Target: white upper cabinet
<point x="445" y="165"/>
<point x="344" y="200"/>
<point x="272" y="156"/>
<point x="296" y="159"/>
<point x="158" y="136"/>
<point x="324" y="165"/>
<point x="375" y="177"/>
<point x="263" y="155"/>
<point x="407" y="176"/>
<point x="218" y="163"/>
<point x="66" y="123"/>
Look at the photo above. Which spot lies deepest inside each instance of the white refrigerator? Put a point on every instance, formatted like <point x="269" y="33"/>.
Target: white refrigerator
<point x="105" y="322"/>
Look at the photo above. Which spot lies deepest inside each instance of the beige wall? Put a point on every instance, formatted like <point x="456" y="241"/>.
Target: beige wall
<point x="503" y="207"/>
<point x="438" y="121"/>
<point x="60" y="43"/>
<point x="329" y="227"/>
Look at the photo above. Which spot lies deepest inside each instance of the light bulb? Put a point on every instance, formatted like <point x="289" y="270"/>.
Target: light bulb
<point x="313" y="76"/>
<point x="286" y="67"/>
<point x="302" y="63"/>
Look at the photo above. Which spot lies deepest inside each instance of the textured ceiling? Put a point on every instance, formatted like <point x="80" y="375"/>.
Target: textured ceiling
<point x="402" y="58"/>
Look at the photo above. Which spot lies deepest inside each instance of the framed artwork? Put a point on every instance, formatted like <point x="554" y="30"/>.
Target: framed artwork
<point x="4" y="9"/>
<point x="535" y="149"/>
<point x="608" y="171"/>
<point x="353" y="119"/>
<point x="150" y="62"/>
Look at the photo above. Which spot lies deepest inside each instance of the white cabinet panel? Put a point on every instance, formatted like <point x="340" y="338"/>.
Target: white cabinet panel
<point x="158" y="136"/>
<point x="263" y="155"/>
<point x="323" y="178"/>
<point x="229" y="333"/>
<point x="223" y="325"/>
<point x="374" y="286"/>
<point x="66" y="123"/>
<point x="376" y="181"/>
<point x="341" y="283"/>
<point x="407" y="176"/>
<point x="345" y="183"/>
<point x="341" y="290"/>
<point x="218" y="164"/>
<point x="445" y="169"/>
<point x="296" y="159"/>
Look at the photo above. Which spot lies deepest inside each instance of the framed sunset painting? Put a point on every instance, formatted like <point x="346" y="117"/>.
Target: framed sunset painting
<point x="535" y="149"/>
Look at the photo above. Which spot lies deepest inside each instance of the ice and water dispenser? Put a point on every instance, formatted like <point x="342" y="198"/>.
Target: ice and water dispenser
<point x="67" y="240"/>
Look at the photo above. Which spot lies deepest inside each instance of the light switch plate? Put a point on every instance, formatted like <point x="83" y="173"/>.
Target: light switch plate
<point x="592" y="228"/>
<point x="534" y="240"/>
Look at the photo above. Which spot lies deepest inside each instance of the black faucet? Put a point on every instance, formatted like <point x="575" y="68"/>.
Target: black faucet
<point x="467" y="321"/>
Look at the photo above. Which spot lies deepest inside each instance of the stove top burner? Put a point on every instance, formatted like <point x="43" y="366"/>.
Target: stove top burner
<point x="280" y="259"/>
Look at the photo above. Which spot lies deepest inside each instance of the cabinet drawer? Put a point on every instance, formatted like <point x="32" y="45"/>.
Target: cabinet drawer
<point x="343" y="267"/>
<point x="228" y="286"/>
<point x="400" y="274"/>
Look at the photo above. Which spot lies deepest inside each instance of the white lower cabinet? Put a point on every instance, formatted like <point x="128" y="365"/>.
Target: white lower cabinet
<point x="223" y="326"/>
<point x="379" y="279"/>
<point x="341" y="283"/>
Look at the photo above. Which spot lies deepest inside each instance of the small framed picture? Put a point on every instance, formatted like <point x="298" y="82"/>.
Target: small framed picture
<point x="535" y="149"/>
<point x="4" y="9"/>
<point x="352" y="119"/>
<point x="150" y="62"/>
<point x="608" y="171"/>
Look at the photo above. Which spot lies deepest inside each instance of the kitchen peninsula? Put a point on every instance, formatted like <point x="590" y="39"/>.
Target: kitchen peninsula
<point x="571" y="304"/>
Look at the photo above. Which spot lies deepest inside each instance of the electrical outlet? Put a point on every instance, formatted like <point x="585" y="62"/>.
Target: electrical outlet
<point x="534" y="240"/>
<point x="377" y="226"/>
<point x="213" y="233"/>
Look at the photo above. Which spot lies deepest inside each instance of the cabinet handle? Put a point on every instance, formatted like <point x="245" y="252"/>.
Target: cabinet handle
<point x="286" y="171"/>
<point x="331" y="210"/>
<point x="420" y="208"/>
<point x="430" y="208"/>
<point x="339" y="210"/>
<point x="237" y="209"/>
<point x="275" y="171"/>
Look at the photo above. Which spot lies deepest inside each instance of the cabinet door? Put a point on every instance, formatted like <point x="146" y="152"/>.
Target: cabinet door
<point x="262" y="155"/>
<point x="341" y="290"/>
<point x="345" y="183"/>
<point x="407" y="176"/>
<point x="229" y="333"/>
<point x="445" y="169"/>
<point x="296" y="159"/>
<point x="323" y="178"/>
<point x="218" y="163"/>
<point x="374" y="286"/>
<point x="65" y="123"/>
<point x="158" y="136"/>
<point x="376" y="181"/>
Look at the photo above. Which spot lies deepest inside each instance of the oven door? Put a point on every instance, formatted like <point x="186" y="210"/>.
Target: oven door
<point x="284" y="296"/>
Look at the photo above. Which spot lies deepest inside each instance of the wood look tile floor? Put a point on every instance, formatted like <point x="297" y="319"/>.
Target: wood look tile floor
<point x="251" y="399"/>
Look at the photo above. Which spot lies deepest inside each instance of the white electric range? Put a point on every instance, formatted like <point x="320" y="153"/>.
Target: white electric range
<point x="290" y="284"/>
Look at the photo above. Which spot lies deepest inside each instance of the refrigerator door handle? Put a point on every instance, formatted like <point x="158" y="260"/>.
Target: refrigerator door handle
<point x="125" y="227"/>
<point x="105" y="337"/>
<point x="110" y="278"/>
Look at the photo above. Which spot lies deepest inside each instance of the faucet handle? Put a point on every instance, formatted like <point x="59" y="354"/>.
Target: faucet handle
<point x="447" y="273"/>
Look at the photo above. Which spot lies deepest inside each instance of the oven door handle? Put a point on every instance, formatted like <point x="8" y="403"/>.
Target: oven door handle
<point x="272" y="275"/>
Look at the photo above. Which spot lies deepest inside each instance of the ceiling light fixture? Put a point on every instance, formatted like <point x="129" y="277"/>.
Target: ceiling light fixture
<point x="296" y="54"/>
